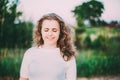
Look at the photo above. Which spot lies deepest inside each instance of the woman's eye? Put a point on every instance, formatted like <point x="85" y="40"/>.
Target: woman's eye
<point x="46" y="29"/>
<point x="54" y="30"/>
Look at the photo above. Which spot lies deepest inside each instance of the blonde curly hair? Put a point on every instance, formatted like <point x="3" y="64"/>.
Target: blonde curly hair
<point x="64" y="42"/>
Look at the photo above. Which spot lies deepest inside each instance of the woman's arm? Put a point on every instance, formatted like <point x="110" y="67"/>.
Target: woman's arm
<point x="71" y="70"/>
<point x="24" y="66"/>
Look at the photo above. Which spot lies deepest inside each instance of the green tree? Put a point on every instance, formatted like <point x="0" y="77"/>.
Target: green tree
<point x="8" y="15"/>
<point x="23" y="36"/>
<point x="90" y="11"/>
<point x="13" y="31"/>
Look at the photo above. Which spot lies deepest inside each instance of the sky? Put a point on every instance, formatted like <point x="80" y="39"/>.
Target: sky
<point x="33" y="10"/>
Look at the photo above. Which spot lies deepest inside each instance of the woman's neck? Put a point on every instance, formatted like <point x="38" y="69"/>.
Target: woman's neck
<point x="48" y="46"/>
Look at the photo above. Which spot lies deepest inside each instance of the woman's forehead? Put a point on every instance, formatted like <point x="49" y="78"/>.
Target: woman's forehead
<point x="50" y="23"/>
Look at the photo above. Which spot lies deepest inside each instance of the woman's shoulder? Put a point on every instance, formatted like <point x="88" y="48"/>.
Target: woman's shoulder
<point x="30" y="50"/>
<point x="72" y="59"/>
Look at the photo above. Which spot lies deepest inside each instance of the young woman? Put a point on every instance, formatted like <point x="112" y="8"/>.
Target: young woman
<point x="53" y="56"/>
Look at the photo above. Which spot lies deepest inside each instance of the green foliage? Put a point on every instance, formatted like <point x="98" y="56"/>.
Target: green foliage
<point x="13" y="32"/>
<point x="99" y="53"/>
<point x="99" y="43"/>
<point x="90" y="10"/>
<point x="90" y="62"/>
<point x="8" y="12"/>
<point x="10" y="62"/>
<point x="78" y="32"/>
<point x="114" y="45"/>
<point x="87" y="42"/>
<point x="98" y="38"/>
<point x="95" y="63"/>
<point x="19" y="35"/>
<point x="23" y="36"/>
<point x="10" y="66"/>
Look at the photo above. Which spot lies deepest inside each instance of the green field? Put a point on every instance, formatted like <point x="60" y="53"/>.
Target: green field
<point x="99" y="54"/>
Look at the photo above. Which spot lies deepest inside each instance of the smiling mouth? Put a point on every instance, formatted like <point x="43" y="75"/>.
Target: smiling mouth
<point x="50" y="38"/>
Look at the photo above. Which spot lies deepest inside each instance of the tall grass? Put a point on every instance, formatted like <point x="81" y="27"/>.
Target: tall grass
<point x="95" y="63"/>
<point x="99" y="55"/>
<point x="10" y="62"/>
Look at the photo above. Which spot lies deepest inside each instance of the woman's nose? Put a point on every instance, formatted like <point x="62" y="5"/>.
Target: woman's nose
<point x="50" y="33"/>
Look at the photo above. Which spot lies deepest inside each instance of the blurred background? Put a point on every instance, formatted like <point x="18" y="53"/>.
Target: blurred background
<point x="97" y="34"/>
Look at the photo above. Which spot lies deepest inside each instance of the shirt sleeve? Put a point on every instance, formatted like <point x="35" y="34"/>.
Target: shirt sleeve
<point x="24" y="65"/>
<point x="71" y="70"/>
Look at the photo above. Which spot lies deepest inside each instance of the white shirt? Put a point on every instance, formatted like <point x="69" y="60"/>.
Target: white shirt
<point x="47" y="64"/>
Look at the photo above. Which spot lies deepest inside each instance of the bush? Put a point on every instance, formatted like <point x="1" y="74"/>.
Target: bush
<point x="99" y="43"/>
<point x="87" y="42"/>
<point x="10" y="66"/>
<point x="10" y="62"/>
<point x="96" y="63"/>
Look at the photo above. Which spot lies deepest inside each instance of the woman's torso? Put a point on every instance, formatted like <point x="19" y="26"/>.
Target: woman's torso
<point x="46" y="64"/>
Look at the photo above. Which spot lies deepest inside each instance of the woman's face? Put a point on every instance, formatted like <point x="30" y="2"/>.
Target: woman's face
<point x="50" y="32"/>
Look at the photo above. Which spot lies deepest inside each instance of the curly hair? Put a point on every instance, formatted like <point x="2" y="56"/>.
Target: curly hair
<point x="64" y="42"/>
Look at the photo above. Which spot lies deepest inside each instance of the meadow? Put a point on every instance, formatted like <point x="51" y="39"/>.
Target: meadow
<point x="98" y="55"/>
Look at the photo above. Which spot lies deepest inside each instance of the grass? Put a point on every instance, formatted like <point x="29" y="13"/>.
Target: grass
<point x="10" y="62"/>
<point x="90" y="62"/>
